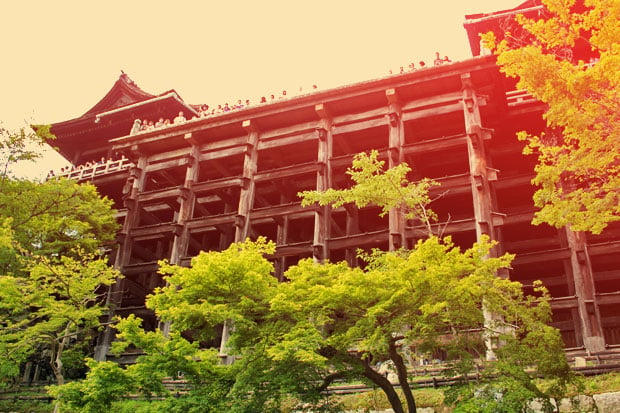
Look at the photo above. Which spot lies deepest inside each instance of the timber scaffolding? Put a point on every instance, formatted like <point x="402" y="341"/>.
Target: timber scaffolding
<point x="206" y="183"/>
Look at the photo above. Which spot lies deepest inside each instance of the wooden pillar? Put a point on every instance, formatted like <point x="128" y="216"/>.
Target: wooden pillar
<point x="480" y="176"/>
<point x="133" y="186"/>
<point x="583" y="278"/>
<point x="352" y="228"/>
<point x="242" y="220"/>
<point x="281" y="239"/>
<point x="479" y="173"/>
<point x="395" y="157"/>
<point x="322" y="214"/>
<point x="26" y="378"/>
<point x="246" y="198"/>
<point x="186" y="203"/>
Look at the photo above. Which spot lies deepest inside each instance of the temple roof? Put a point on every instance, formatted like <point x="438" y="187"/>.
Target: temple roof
<point x="124" y="92"/>
<point x="113" y="116"/>
<point x="497" y="21"/>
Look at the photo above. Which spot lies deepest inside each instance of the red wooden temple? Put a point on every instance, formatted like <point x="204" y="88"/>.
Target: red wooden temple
<point x="211" y="181"/>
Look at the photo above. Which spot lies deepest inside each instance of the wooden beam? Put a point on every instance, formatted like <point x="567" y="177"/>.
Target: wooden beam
<point x="287" y="140"/>
<point x="293" y="208"/>
<point x="358" y="240"/>
<point x="160" y="194"/>
<point x="217" y="184"/>
<point x="286" y="172"/>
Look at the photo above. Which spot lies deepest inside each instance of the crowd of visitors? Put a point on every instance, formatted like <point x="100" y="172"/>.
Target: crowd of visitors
<point x="422" y="64"/>
<point x="67" y="170"/>
<point x="204" y="111"/>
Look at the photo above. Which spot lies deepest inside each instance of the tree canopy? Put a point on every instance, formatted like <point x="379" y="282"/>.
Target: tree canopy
<point x="52" y="261"/>
<point x="328" y="321"/>
<point x="569" y="59"/>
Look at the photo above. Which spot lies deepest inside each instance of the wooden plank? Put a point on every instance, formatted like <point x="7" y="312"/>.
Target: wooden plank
<point x="160" y="194"/>
<point x="297" y="129"/>
<point x="152" y="231"/>
<point x="288" y="140"/>
<point x="222" y="153"/>
<point x="432" y="101"/>
<point x="174" y="154"/>
<point x="265" y="218"/>
<point x="360" y="125"/>
<point x="361" y="116"/>
<point x="219" y="144"/>
<point x="287" y="171"/>
<point x="455" y="184"/>
<point x="196" y="226"/>
<point x="141" y="140"/>
<point x="280" y="210"/>
<point x="165" y="165"/>
<point x="435" y="145"/>
<point x="298" y="248"/>
<point x="542" y="256"/>
<point x="608" y="298"/>
<point x="358" y="240"/>
<point x="434" y="111"/>
<point x="612" y="247"/>
<point x="217" y="184"/>
<point x="563" y="303"/>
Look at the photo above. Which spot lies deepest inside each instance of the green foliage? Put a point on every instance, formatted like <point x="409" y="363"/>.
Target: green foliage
<point x="234" y="284"/>
<point x="165" y="356"/>
<point x="329" y="321"/>
<point x="21" y="145"/>
<point x="52" y="307"/>
<point x="54" y="218"/>
<point x="385" y="188"/>
<point x="578" y="170"/>
<point x="51" y="263"/>
<point x="104" y="383"/>
<point x="332" y="321"/>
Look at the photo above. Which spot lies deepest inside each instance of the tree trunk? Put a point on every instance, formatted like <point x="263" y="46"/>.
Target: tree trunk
<point x="56" y="359"/>
<point x="401" y="371"/>
<point x="385" y="385"/>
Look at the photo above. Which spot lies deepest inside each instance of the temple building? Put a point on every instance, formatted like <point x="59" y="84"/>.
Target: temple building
<point x="209" y="181"/>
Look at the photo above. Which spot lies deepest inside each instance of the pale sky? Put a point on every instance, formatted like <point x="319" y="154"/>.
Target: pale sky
<point x="61" y="57"/>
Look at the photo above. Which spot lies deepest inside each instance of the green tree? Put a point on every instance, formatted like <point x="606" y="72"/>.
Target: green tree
<point x="52" y="265"/>
<point x="578" y="170"/>
<point x="329" y="321"/>
<point x="388" y="189"/>
<point x="165" y="356"/>
<point x="20" y="146"/>
<point x="53" y="307"/>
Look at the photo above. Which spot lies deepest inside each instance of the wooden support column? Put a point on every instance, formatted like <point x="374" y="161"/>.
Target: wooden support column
<point x="395" y="157"/>
<point x="242" y="220"/>
<point x="589" y="315"/>
<point x="133" y="186"/>
<point x="352" y="228"/>
<point x="186" y="203"/>
<point x="322" y="214"/>
<point x="281" y="239"/>
<point x="246" y="198"/>
<point x="480" y="175"/>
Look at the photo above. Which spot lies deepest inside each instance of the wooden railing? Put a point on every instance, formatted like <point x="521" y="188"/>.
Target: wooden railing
<point x="85" y="173"/>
